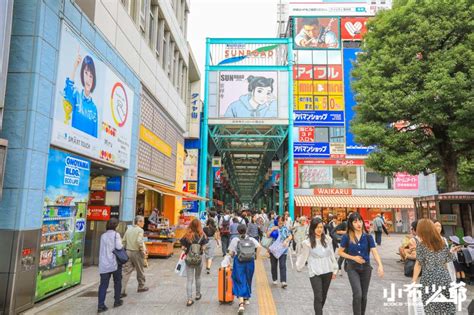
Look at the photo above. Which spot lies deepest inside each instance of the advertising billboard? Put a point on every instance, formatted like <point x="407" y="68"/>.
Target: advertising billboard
<point x="311" y="150"/>
<point x="191" y="164"/>
<point x="248" y="94"/>
<point x="351" y="147"/>
<point x="316" y="33"/>
<point x="319" y="118"/>
<point x="353" y="28"/>
<point x="92" y="106"/>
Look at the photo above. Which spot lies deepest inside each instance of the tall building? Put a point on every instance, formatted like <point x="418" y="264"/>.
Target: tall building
<point x="330" y="172"/>
<point x="96" y="110"/>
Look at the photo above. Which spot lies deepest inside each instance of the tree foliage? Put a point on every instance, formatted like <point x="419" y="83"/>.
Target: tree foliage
<point x="414" y="88"/>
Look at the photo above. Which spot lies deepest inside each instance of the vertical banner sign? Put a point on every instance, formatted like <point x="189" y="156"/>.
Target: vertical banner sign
<point x="352" y="148"/>
<point x="191" y="164"/>
<point x="216" y="169"/>
<point x="275" y="178"/>
<point x="92" y="106"/>
<point x="179" y="166"/>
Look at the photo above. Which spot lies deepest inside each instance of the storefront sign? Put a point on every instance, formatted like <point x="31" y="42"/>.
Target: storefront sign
<point x="114" y="183"/>
<point x="246" y="54"/>
<point x="352" y="147"/>
<point x="316" y="33"/>
<point x="306" y="134"/>
<point x="98" y="213"/>
<point x="307" y="73"/>
<point x="191" y="164"/>
<point x="406" y="181"/>
<point x="319" y="118"/>
<point x="353" y="28"/>
<point x="448" y="219"/>
<point x="329" y="162"/>
<point x="190" y="187"/>
<point x="329" y="7"/>
<point x="97" y="197"/>
<point x="194" y="115"/>
<point x="302" y="72"/>
<point x="98" y="183"/>
<point x="311" y="150"/>
<point x="147" y="136"/>
<point x="338" y="150"/>
<point x="304" y="102"/>
<point x="178" y="185"/>
<point x="190" y="207"/>
<point x="93" y="107"/>
<point x="333" y="191"/>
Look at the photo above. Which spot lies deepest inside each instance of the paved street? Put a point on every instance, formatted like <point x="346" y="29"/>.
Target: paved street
<point x="167" y="292"/>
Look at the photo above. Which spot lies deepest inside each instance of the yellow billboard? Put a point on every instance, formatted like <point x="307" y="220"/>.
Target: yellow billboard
<point x="304" y="87"/>
<point x="320" y="102"/>
<point x="304" y="102"/>
<point x="336" y="103"/>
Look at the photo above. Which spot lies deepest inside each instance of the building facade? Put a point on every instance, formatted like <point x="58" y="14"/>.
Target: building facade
<point x="96" y="105"/>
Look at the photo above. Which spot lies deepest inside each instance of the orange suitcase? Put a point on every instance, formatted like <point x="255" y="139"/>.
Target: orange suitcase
<point x="224" y="287"/>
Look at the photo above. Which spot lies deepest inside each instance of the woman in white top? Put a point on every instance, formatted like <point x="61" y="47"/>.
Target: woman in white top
<point x="322" y="264"/>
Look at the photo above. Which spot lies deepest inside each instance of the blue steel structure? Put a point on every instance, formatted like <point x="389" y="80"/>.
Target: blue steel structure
<point x="272" y="136"/>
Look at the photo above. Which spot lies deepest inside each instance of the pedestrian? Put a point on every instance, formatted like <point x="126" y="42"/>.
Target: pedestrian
<point x="377" y="223"/>
<point x="210" y="231"/>
<point x="279" y="232"/>
<point x="339" y="231"/>
<point x="300" y="233"/>
<point x="356" y="247"/>
<point x="224" y="231"/>
<point x="288" y="220"/>
<point x="193" y="244"/>
<point x="253" y="229"/>
<point x="432" y="255"/>
<point x="233" y="228"/>
<point x="454" y="249"/>
<point x="136" y="251"/>
<point x="108" y="265"/>
<point x="243" y="250"/>
<point x="317" y="251"/>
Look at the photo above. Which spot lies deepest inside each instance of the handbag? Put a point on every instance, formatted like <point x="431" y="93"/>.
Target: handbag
<point x="267" y="241"/>
<point x="278" y="248"/>
<point x="180" y="268"/>
<point x="120" y="254"/>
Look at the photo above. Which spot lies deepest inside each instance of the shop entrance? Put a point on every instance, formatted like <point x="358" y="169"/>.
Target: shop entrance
<point x="105" y="194"/>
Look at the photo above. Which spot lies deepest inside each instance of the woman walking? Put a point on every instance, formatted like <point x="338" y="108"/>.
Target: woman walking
<point x="210" y="230"/>
<point x="193" y="242"/>
<point x="356" y="247"/>
<point x="243" y="249"/>
<point x="253" y="230"/>
<point x="282" y="235"/>
<point x="432" y="255"/>
<point x="108" y="265"/>
<point x="322" y="264"/>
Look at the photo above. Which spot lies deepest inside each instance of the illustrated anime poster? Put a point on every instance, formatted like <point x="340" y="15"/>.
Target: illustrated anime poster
<point x="317" y="33"/>
<point x="246" y="94"/>
<point x="191" y="164"/>
<point x="92" y="106"/>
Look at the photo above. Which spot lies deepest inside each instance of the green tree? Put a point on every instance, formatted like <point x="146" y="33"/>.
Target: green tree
<point x="414" y="88"/>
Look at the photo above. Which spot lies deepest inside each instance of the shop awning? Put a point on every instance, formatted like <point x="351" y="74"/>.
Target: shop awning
<point x="169" y="191"/>
<point x="354" y="202"/>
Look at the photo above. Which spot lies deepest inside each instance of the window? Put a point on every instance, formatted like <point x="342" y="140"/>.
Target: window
<point x="142" y="16"/>
<point x="166" y="52"/>
<point x="374" y="178"/>
<point x="151" y="27"/>
<point x="160" y="33"/>
<point x="321" y="134"/>
<point x="336" y="134"/>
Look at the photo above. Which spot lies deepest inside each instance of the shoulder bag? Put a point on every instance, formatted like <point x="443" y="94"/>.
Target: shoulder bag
<point x="120" y="254"/>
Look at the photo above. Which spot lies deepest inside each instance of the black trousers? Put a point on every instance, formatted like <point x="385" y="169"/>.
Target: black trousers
<point x="359" y="278"/>
<point x="320" y="285"/>
<point x="274" y="264"/>
<point x="104" y="284"/>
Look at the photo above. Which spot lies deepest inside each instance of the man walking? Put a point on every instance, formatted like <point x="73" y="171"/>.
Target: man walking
<point x="224" y="230"/>
<point x="136" y="251"/>
<point x="378" y="229"/>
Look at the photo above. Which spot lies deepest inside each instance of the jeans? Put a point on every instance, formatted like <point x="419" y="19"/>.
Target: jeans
<point x="280" y="261"/>
<point x="359" y="279"/>
<point x="225" y="243"/>
<point x="340" y="261"/>
<point x="104" y="284"/>
<point x="378" y="237"/>
<point x="136" y="261"/>
<point x="191" y="273"/>
<point x="320" y="285"/>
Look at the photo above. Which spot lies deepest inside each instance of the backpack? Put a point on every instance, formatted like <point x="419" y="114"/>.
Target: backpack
<point x="245" y="250"/>
<point x="225" y="228"/>
<point x="194" y="258"/>
<point x="378" y="224"/>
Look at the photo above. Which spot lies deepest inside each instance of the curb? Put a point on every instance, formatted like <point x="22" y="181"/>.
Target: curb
<point x="56" y="300"/>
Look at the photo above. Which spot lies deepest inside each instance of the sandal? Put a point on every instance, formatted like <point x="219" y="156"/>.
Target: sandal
<point x="198" y="296"/>
<point x="190" y="302"/>
<point x="241" y="309"/>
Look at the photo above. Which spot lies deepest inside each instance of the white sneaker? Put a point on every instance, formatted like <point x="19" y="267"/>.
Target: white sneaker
<point x="275" y="282"/>
<point x="339" y="273"/>
<point x="283" y="285"/>
<point x="247" y="302"/>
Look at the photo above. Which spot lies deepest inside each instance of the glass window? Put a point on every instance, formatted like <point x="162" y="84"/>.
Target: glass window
<point x="336" y="134"/>
<point x="345" y="176"/>
<point x="321" y="134"/>
<point x="374" y="180"/>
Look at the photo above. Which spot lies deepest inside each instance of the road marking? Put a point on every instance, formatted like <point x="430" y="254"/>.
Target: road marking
<point x="266" y="304"/>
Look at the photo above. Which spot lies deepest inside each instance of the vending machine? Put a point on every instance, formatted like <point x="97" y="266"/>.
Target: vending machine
<point x="64" y="224"/>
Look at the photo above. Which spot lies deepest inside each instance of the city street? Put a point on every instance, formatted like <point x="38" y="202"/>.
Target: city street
<point x="167" y="292"/>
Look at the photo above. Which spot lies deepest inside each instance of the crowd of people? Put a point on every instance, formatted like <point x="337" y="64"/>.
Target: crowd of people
<point x="324" y="247"/>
